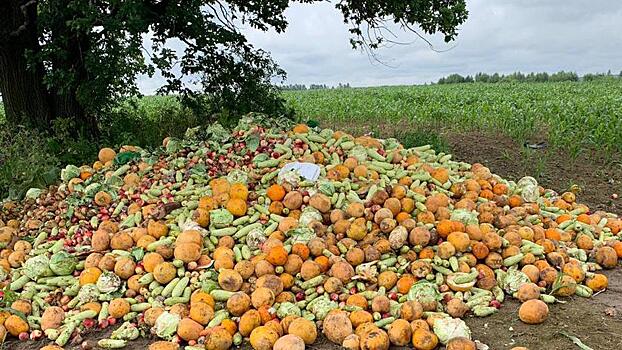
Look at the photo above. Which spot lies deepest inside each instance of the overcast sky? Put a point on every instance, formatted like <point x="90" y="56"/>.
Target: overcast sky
<point x="499" y="36"/>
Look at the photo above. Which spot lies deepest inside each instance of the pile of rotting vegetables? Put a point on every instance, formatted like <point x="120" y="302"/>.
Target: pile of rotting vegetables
<point x="208" y="243"/>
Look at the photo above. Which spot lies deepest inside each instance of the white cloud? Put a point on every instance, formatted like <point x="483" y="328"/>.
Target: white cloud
<point x="500" y="36"/>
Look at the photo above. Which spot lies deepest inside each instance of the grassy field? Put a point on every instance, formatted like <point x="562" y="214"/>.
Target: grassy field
<point x="573" y="116"/>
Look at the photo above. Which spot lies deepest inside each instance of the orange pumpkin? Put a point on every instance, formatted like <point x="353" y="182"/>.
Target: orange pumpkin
<point x="89" y="275"/>
<point x="236" y="206"/>
<point x="106" y="155"/>
<point x="300" y="129"/>
<point x="220" y="186"/>
<point x="239" y="191"/>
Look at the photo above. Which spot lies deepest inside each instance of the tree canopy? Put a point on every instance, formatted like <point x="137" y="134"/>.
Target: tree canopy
<point x="77" y="58"/>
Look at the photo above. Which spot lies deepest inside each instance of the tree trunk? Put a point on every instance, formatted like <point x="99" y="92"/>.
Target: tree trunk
<point x="66" y="106"/>
<point x="26" y="100"/>
<point x="23" y="94"/>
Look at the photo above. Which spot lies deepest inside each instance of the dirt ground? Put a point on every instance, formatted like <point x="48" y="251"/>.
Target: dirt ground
<point x="598" y="178"/>
<point x="596" y="321"/>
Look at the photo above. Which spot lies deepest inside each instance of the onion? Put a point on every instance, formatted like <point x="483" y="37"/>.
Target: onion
<point x="36" y="334"/>
<point x="65" y="299"/>
<point x="103" y="324"/>
<point x="447" y="298"/>
<point x="495" y="303"/>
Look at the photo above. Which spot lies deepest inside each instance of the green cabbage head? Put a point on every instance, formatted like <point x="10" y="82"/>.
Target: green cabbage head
<point x="424" y="292"/>
<point x="166" y="325"/>
<point x="220" y="218"/>
<point x="70" y="172"/>
<point x="449" y="328"/>
<point x="63" y="263"/>
<point x="288" y="309"/>
<point x="36" y="266"/>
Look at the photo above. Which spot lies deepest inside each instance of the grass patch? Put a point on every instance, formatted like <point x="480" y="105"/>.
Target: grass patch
<point x="408" y="133"/>
<point x="147" y="121"/>
<point x="534" y="162"/>
<point x="424" y="137"/>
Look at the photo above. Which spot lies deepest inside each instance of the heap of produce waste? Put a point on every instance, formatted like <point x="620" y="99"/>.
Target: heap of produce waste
<point x="273" y="233"/>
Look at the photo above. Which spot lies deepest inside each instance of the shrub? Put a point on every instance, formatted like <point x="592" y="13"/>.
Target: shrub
<point x="25" y="161"/>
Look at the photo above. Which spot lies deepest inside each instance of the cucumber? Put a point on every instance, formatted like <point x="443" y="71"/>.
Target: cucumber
<point x="180" y="286"/>
<point x="176" y="300"/>
<point x="166" y="292"/>
<point x="112" y="343"/>
<point x="19" y="283"/>
<point x="103" y="313"/>
<point x="65" y="334"/>
<point x="140" y="307"/>
<point x="220" y="316"/>
<point x="157" y="291"/>
<point x="221" y="295"/>
<point x="146" y="279"/>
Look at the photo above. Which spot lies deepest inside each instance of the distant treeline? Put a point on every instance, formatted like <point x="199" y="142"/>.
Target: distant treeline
<point x="314" y="86"/>
<point x="542" y="77"/>
<point x="521" y="77"/>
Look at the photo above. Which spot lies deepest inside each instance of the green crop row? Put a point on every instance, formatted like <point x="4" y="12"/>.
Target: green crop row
<point x="570" y="115"/>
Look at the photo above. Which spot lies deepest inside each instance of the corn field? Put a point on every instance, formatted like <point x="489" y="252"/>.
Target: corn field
<point x="570" y="115"/>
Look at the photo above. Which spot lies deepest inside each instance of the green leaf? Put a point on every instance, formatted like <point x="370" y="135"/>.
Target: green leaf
<point x="199" y="169"/>
<point x="50" y="176"/>
<point x="138" y="253"/>
<point x="70" y="211"/>
<point x="125" y="157"/>
<point x="16" y="312"/>
<point x="252" y="142"/>
<point x="8" y="299"/>
<point x="576" y="341"/>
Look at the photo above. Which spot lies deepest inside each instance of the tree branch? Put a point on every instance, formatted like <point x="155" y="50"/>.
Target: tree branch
<point x="407" y="26"/>
<point x="225" y="22"/>
<point x="24" y="9"/>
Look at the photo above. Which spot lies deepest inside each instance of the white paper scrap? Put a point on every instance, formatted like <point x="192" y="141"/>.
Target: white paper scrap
<point x="309" y="171"/>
